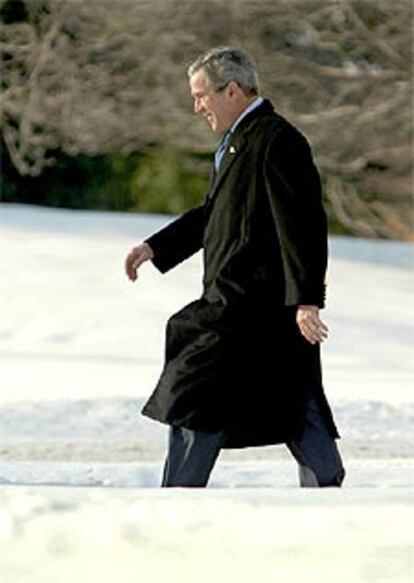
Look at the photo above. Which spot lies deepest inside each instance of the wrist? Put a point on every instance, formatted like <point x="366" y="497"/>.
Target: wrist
<point x="148" y="250"/>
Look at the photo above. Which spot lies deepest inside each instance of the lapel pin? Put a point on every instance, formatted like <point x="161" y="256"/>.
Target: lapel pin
<point x="232" y="150"/>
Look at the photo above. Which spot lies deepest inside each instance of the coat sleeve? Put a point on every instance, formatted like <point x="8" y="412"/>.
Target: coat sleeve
<point x="178" y="240"/>
<point x="293" y="188"/>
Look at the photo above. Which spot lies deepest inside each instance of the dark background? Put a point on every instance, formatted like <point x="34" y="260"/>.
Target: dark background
<point x="96" y="111"/>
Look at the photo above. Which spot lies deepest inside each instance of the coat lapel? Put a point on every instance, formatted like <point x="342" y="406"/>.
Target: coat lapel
<point x="234" y="149"/>
<point x="236" y="146"/>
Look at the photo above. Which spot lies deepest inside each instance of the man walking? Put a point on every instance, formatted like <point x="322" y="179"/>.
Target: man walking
<point x="242" y="363"/>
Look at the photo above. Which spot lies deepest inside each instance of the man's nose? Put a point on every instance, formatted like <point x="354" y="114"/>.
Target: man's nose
<point x="197" y="106"/>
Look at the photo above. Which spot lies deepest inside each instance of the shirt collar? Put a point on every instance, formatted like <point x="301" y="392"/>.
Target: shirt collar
<point x="258" y="101"/>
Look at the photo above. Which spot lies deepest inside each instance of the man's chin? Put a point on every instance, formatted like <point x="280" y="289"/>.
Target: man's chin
<point x="211" y="122"/>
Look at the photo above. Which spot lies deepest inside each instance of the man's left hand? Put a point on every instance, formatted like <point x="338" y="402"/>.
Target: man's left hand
<point x="310" y="325"/>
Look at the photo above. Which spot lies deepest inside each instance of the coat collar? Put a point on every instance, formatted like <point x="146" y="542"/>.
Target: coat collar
<point x="237" y="143"/>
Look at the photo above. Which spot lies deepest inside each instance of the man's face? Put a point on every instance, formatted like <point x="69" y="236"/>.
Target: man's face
<point x="220" y="108"/>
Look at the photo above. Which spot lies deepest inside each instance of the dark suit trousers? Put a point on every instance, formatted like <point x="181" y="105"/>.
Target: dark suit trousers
<point x="192" y="454"/>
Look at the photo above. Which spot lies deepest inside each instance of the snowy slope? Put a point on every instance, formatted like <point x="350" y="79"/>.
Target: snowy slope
<point x="81" y="346"/>
<point x="81" y="535"/>
<point x="80" y="350"/>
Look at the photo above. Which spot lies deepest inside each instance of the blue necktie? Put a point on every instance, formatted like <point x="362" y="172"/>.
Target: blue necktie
<point x="221" y="150"/>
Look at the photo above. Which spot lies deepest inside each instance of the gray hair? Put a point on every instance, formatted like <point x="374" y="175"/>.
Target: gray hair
<point x="224" y="64"/>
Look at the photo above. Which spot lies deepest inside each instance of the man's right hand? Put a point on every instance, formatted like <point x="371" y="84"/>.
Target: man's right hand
<point x="136" y="257"/>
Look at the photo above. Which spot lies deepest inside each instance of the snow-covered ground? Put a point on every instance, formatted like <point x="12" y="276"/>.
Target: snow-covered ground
<point x="81" y="347"/>
<point x="80" y="350"/>
<point x="273" y="536"/>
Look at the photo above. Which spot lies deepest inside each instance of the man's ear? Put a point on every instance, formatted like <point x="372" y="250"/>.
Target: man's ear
<point x="233" y="88"/>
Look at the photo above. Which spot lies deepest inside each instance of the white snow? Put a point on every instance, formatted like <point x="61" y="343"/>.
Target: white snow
<point x="64" y="535"/>
<point x="81" y="348"/>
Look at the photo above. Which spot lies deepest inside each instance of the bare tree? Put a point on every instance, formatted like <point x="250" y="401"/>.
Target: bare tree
<point x="102" y="76"/>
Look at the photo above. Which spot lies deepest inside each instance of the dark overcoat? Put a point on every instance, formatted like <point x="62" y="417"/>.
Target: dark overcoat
<point x="235" y="359"/>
